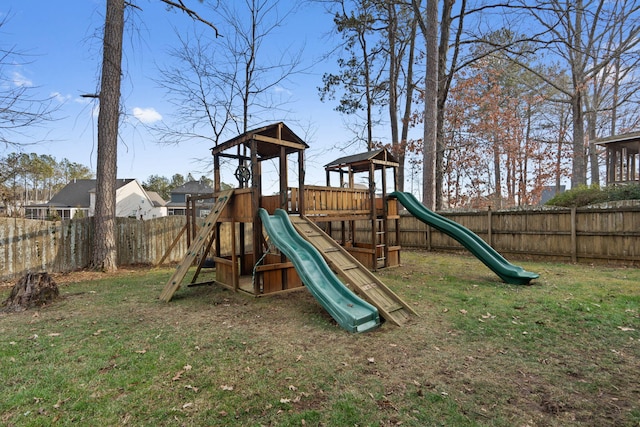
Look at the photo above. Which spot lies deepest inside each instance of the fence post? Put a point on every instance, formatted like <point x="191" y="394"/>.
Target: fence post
<point x="574" y="240"/>
<point x="489" y="227"/>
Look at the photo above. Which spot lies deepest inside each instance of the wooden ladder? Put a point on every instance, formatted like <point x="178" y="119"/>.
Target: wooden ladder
<point x="380" y="243"/>
<point x="204" y="236"/>
<point x="357" y="276"/>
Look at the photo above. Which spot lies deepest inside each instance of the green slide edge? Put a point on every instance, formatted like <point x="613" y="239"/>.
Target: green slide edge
<point x="351" y="312"/>
<point x="508" y="272"/>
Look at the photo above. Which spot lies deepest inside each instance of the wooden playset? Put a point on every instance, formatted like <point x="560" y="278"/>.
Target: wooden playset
<point x="324" y="216"/>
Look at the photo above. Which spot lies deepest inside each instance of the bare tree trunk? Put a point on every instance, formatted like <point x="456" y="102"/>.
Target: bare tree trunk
<point x="593" y="152"/>
<point x="407" y="108"/>
<point x="104" y="255"/>
<point x="368" y="91"/>
<point x="497" y="173"/>
<point x="430" y="106"/>
<point x="579" y="168"/>
<point x="444" y="82"/>
<point x="393" y="83"/>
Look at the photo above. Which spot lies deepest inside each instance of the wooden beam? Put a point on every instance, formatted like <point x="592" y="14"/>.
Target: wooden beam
<point x="277" y="141"/>
<point x="385" y="163"/>
<point x="234" y="156"/>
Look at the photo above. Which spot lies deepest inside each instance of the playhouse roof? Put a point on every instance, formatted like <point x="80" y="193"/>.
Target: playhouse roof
<point x="269" y="140"/>
<point x="361" y="162"/>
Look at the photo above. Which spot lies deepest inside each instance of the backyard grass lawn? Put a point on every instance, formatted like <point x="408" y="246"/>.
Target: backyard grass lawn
<point x="564" y="351"/>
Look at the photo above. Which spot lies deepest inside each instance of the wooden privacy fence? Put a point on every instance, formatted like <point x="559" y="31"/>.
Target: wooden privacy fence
<point x="610" y="235"/>
<point x="566" y="235"/>
<point x="61" y="246"/>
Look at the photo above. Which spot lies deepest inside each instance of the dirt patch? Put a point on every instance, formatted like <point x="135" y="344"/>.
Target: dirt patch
<point x="86" y="275"/>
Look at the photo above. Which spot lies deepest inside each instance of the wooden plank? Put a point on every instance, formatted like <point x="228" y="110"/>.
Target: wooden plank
<point x="365" y="283"/>
<point x="201" y="238"/>
<point x="173" y="245"/>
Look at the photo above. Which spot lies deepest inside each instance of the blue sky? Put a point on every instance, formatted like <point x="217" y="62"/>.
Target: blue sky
<point x="62" y="53"/>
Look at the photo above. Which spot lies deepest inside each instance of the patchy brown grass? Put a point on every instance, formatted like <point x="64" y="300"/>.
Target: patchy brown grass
<point x="561" y="352"/>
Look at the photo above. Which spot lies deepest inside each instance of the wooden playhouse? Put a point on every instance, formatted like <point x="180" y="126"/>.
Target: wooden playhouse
<point x="348" y="223"/>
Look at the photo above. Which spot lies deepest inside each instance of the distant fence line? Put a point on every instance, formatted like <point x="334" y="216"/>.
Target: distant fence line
<point x="62" y="246"/>
<point x="566" y="235"/>
<point x="609" y="235"/>
<point x="589" y="235"/>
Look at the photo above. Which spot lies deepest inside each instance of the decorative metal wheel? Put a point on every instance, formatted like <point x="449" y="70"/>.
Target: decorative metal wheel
<point x="243" y="174"/>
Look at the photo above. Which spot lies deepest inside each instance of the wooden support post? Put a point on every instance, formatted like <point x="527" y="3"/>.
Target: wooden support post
<point x="187" y="214"/>
<point x="301" y="173"/>
<point x="234" y="257"/>
<point x="574" y="239"/>
<point x="372" y="215"/>
<point x="194" y="225"/>
<point x="256" y="192"/>
<point x="385" y="215"/>
<point x="489" y="228"/>
<point x="284" y="179"/>
<point x="216" y="174"/>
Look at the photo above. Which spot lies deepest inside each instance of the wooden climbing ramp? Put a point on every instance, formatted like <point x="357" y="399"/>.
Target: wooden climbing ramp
<point x="357" y="276"/>
<point x="205" y="234"/>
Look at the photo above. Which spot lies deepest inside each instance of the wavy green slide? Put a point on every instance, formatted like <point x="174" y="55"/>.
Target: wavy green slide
<point x="351" y="312"/>
<point x="508" y="272"/>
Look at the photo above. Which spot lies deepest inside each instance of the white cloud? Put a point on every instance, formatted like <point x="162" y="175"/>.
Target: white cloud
<point x="281" y="90"/>
<point x="60" y="97"/>
<point x="147" y="115"/>
<point x="20" y="80"/>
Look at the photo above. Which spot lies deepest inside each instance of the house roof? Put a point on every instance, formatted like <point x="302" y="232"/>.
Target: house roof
<point x="76" y="194"/>
<point x="156" y="199"/>
<point x="630" y="141"/>
<point x="627" y="137"/>
<point x="193" y="187"/>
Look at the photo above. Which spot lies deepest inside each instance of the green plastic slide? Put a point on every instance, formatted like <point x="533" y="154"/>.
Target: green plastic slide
<point x="508" y="272"/>
<point x="351" y="312"/>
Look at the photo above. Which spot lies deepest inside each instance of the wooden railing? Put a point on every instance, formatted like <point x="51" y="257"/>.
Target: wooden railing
<point x="331" y="201"/>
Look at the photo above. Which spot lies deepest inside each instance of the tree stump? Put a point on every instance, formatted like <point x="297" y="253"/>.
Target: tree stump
<point x="32" y="290"/>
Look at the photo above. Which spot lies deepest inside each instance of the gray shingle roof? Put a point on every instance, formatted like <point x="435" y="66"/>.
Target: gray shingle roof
<point x="77" y="193"/>
<point x="193" y="187"/>
<point x="156" y="199"/>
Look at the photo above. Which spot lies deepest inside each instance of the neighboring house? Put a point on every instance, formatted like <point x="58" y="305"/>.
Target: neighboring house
<point x="549" y="192"/>
<point x="78" y="199"/>
<point x="178" y="203"/>
<point x="623" y="158"/>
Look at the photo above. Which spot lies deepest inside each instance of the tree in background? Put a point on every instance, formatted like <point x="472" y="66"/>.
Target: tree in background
<point x="163" y="186"/>
<point x="429" y="26"/>
<point x="33" y="178"/>
<point x="104" y="248"/>
<point x="158" y="184"/>
<point x="587" y="37"/>
<point x="103" y="255"/>
<point x="376" y="71"/>
<point x="177" y="180"/>
<point x="360" y="71"/>
<point x="239" y="83"/>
